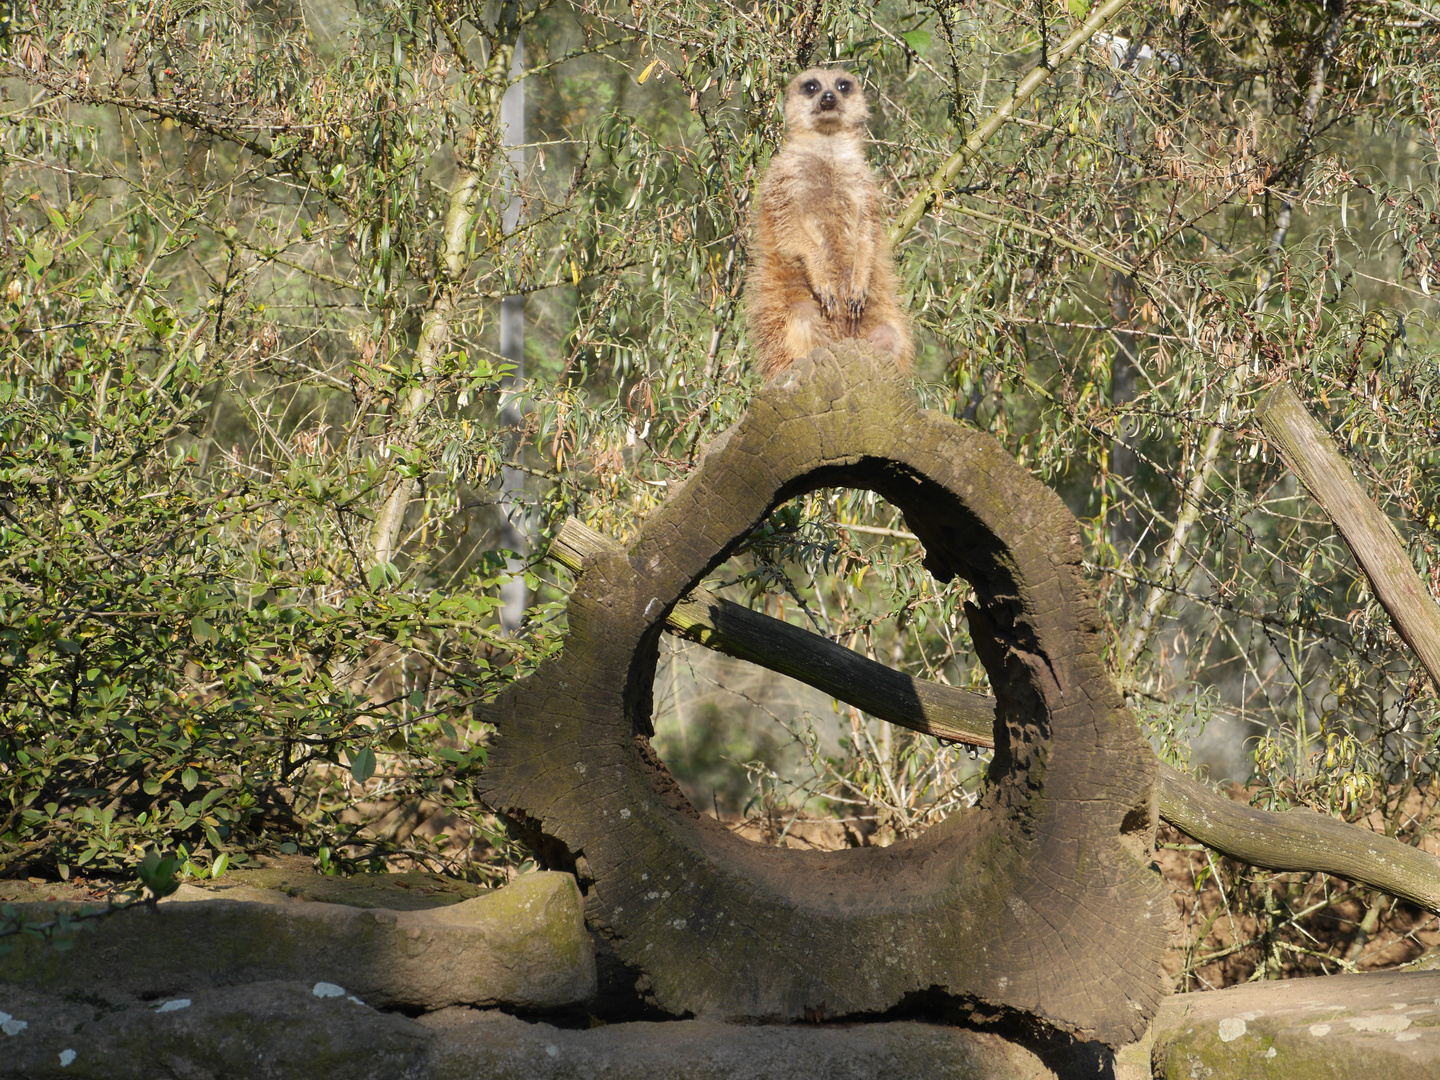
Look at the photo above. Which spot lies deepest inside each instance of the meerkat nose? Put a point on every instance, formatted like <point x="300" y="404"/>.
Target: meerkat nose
<point x="827" y="100"/>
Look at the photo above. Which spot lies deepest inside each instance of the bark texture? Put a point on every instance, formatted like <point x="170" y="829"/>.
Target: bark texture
<point x="1034" y="900"/>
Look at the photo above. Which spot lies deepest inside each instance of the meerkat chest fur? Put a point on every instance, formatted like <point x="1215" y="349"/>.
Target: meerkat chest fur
<point x="820" y="261"/>
<point x="826" y="179"/>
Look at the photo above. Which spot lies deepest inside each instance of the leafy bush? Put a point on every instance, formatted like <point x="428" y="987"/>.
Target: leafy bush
<point x="177" y="666"/>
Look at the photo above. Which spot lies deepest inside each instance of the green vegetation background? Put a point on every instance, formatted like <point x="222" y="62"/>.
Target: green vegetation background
<point x="257" y="441"/>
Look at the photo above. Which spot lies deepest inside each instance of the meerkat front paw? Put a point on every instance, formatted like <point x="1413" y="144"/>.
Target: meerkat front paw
<point x="856" y="311"/>
<point x="827" y="303"/>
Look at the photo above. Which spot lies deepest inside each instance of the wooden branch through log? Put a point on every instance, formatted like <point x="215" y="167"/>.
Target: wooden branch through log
<point x="1292" y="841"/>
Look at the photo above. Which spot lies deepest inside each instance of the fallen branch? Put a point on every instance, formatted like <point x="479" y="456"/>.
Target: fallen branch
<point x="1299" y="841"/>
<point x="1308" y="451"/>
<point x="1296" y="840"/>
<point x="928" y="707"/>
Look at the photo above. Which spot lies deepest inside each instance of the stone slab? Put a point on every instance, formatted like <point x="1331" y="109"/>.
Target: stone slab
<point x="283" y="877"/>
<point x="292" y="1031"/>
<point x="1383" y="1024"/>
<point x="524" y="946"/>
<point x="493" y="1045"/>
<point x="263" y="1031"/>
<point x="294" y="878"/>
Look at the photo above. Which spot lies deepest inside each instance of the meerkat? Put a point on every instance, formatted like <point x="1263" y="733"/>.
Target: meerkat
<point x="821" y="269"/>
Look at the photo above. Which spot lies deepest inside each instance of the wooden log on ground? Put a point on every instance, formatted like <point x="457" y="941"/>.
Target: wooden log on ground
<point x="1299" y="841"/>
<point x="1034" y="900"/>
<point x="1295" y="840"/>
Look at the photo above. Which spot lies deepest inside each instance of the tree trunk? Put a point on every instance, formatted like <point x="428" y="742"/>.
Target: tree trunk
<point x="514" y="531"/>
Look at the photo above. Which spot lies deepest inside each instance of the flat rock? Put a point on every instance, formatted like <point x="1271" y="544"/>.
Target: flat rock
<point x="295" y="879"/>
<point x="524" y="946"/>
<point x="494" y="1045"/>
<point x="291" y="1031"/>
<point x="1336" y="1027"/>
<point x="281" y="878"/>
<point x="263" y="1031"/>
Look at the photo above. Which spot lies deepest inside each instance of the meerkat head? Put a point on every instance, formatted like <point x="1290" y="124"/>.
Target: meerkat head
<point x="823" y="102"/>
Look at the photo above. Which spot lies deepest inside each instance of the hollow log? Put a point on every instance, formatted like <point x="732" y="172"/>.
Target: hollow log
<point x="1033" y="900"/>
<point x="1294" y="840"/>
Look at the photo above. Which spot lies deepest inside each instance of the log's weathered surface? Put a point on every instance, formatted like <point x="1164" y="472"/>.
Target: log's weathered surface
<point x="1296" y="840"/>
<point x="1034" y="900"/>
<point x="524" y="946"/>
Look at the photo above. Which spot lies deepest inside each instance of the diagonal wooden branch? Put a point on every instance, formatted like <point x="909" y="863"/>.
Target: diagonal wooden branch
<point x="927" y="707"/>
<point x="1310" y="455"/>
<point x="1297" y="840"/>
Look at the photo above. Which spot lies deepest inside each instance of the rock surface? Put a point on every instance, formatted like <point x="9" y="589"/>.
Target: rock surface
<point x="273" y="987"/>
<point x="492" y="1045"/>
<point x="1383" y="1024"/>
<point x="291" y="1031"/>
<point x="279" y="878"/>
<point x="524" y="946"/>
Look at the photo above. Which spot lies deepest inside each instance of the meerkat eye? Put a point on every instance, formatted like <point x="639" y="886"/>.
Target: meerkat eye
<point x="843" y="86"/>
<point x="812" y="87"/>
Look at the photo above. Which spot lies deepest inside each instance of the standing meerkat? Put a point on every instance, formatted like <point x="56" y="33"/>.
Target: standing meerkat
<point x="820" y="259"/>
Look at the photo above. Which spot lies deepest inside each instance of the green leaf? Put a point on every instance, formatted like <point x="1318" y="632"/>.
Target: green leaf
<point x="157" y="873"/>
<point x="919" y="40"/>
<point x="189" y="778"/>
<point x="39" y="258"/>
<point x="362" y="764"/>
